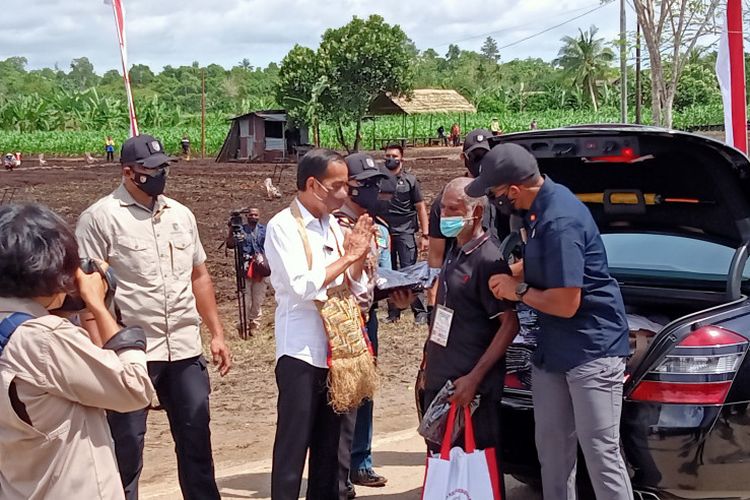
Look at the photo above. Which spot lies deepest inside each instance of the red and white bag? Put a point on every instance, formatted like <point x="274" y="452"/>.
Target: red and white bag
<point x="456" y="474"/>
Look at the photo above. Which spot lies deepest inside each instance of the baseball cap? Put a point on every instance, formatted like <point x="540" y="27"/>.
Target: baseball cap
<point x="477" y="139"/>
<point x="362" y="166"/>
<point x="144" y="150"/>
<point x="504" y="164"/>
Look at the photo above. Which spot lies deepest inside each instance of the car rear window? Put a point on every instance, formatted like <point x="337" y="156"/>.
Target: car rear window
<point x="659" y="255"/>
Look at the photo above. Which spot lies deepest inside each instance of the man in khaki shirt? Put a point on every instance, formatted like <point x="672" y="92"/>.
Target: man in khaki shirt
<point x="152" y="244"/>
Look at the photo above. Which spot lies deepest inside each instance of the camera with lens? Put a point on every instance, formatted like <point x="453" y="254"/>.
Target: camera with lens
<point x="74" y="303"/>
<point x="235" y="219"/>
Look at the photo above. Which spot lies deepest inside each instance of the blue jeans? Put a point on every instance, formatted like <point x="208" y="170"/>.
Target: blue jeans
<point x="362" y="443"/>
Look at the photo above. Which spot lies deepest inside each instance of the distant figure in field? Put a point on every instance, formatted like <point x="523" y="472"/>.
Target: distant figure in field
<point x="442" y="136"/>
<point x="109" y="147"/>
<point x="455" y="134"/>
<point x="533" y="125"/>
<point x="495" y="127"/>
<point x="185" y="143"/>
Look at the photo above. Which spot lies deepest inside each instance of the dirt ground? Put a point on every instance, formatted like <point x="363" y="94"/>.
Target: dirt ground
<point x="243" y="402"/>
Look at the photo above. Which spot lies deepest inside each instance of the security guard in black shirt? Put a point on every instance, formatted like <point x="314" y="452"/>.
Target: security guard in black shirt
<point x="406" y="215"/>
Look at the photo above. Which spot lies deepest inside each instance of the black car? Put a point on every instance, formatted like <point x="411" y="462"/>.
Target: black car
<point x="674" y="212"/>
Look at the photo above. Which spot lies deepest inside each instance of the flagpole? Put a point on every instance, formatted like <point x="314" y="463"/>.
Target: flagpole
<point x="737" y="68"/>
<point x="730" y="71"/>
<point x="117" y="10"/>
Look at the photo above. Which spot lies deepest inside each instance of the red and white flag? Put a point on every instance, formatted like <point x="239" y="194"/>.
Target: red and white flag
<point x="119" y="13"/>
<point x="730" y="70"/>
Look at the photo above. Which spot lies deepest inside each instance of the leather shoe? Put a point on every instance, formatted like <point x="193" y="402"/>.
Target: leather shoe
<point x="368" y="477"/>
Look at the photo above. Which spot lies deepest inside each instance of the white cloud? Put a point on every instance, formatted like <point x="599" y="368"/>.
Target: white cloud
<point x="226" y="31"/>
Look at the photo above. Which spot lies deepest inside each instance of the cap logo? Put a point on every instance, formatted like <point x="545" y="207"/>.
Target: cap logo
<point x="370" y="163"/>
<point x="155" y="146"/>
<point x="480" y="138"/>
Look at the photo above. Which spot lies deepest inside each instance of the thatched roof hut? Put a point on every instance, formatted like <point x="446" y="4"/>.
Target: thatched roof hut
<point x="422" y="101"/>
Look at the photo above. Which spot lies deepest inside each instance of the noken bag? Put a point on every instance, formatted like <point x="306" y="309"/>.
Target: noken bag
<point x="457" y="474"/>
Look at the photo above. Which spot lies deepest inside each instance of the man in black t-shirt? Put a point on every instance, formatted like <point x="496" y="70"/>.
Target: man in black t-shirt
<point x="471" y="329"/>
<point x="407" y="222"/>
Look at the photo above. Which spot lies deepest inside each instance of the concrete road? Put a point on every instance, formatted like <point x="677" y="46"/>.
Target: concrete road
<point x="398" y="456"/>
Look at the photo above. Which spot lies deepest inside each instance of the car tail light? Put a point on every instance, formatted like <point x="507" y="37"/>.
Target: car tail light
<point x="698" y="370"/>
<point x="513" y="382"/>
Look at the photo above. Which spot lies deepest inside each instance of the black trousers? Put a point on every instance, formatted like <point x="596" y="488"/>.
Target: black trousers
<point x="404" y="253"/>
<point x="305" y="421"/>
<point x="110" y="156"/>
<point x="183" y="388"/>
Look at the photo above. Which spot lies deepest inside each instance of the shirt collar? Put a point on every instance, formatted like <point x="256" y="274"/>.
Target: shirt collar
<point x="126" y="199"/>
<point x="541" y="202"/>
<point x="475" y="243"/>
<point x="308" y="218"/>
<point x="22" y="305"/>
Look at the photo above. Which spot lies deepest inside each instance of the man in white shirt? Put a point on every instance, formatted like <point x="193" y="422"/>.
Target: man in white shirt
<point x="300" y="275"/>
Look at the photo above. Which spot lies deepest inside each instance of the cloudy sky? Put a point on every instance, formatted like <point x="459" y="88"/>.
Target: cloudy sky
<point x="49" y="32"/>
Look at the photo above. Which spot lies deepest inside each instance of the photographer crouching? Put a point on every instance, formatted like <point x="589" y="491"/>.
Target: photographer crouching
<point x="56" y="383"/>
<point x="253" y="268"/>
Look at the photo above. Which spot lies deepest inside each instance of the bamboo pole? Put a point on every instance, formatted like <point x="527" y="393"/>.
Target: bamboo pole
<point x="203" y="114"/>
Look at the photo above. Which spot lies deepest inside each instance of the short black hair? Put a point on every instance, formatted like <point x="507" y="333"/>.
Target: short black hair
<point x="395" y="146"/>
<point x="38" y="252"/>
<point x="314" y="164"/>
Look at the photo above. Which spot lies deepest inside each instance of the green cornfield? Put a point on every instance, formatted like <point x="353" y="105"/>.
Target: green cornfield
<point x="374" y="131"/>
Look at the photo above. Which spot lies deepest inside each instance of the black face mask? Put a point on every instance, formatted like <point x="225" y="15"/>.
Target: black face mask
<point x="151" y="185"/>
<point x="505" y="206"/>
<point x="369" y="198"/>
<point x="392" y="163"/>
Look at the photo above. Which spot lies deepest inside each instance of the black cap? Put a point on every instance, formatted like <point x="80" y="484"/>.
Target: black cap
<point x="144" y="150"/>
<point x="477" y="139"/>
<point x="362" y="167"/>
<point x="504" y="164"/>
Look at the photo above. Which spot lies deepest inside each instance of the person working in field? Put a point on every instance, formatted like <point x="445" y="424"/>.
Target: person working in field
<point x="185" y="145"/>
<point x="153" y="245"/>
<point x="109" y="148"/>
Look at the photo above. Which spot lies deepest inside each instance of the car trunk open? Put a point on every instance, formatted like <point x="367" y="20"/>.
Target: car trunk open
<point x="646" y="180"/>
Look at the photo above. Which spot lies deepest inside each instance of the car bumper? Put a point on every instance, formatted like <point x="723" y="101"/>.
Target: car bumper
<point x="673" y="451"/>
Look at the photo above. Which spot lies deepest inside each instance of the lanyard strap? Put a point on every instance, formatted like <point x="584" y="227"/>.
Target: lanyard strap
<point x="302" y="230"/>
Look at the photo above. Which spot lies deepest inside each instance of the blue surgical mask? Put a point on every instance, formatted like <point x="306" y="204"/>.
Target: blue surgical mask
<point x="451" y="226"/>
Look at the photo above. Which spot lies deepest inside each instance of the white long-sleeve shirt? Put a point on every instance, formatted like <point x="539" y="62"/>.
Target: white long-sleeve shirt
<point x="298" y="327"/>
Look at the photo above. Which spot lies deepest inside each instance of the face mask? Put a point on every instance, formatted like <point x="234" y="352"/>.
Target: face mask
<point x="452" y="226"/>
<point x="392" y="163"/>
<point x="331" y="201"/>
<point x="505" y="206"/>
<point x="367" y="197"/>
<point x="151" y="185"/>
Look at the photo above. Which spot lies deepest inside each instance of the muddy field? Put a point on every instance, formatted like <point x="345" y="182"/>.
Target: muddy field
<point x="243" y="402"/>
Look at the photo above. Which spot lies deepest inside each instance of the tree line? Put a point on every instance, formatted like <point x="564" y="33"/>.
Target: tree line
<point x="335" y="83"/>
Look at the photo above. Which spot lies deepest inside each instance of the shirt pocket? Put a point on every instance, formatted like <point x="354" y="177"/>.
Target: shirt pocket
<point x="135" y="254"/>
<point x="181" y="248"/>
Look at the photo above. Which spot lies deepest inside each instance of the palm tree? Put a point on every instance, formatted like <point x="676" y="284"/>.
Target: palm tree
<point x="585" y="60"/>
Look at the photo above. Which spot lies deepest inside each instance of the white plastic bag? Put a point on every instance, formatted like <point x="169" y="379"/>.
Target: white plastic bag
<point x="456" y="474"/>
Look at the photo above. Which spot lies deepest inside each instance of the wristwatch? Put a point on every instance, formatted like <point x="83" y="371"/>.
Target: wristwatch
<point x="521" y="290"/>
<point x="425" y="235"/>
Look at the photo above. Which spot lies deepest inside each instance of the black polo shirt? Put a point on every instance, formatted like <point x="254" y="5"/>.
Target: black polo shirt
<point x="497" y="224"/>
<point x="463" y="287"/>
<point x="565" y="250"/>
<point x="402" y="212"/>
